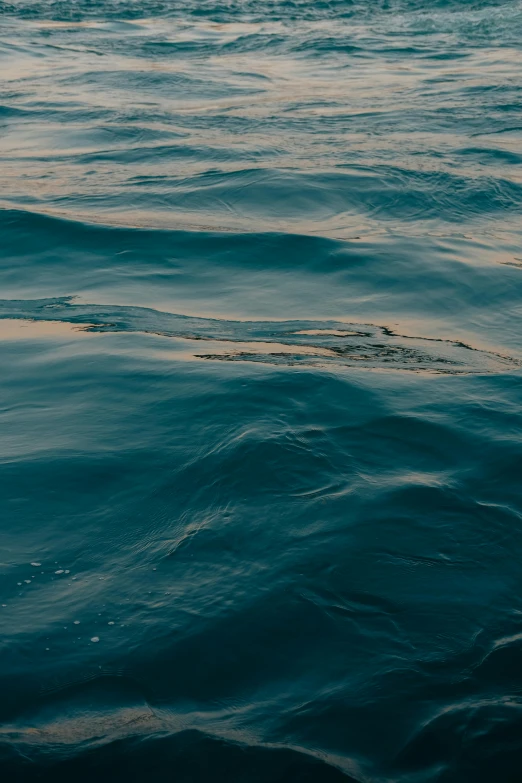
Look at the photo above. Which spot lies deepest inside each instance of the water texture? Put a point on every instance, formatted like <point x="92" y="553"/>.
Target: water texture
<point x="260" y="398"/>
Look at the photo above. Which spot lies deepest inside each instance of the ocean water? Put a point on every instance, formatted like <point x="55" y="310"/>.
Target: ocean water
<point x="260" y="391"/>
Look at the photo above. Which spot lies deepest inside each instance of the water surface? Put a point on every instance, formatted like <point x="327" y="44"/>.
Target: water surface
<point x="260" y="407"/>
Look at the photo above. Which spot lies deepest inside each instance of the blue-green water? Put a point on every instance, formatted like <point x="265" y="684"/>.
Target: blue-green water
<point x="260" y="391"/>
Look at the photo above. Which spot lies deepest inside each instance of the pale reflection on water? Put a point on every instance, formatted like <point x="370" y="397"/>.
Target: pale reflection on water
<point x="315" y="127"/>
<point x="18" y="329"/>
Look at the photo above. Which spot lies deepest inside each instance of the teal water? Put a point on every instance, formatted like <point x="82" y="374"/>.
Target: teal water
<point x="260" y="399"/>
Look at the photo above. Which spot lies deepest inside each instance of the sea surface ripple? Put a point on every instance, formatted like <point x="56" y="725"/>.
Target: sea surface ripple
<point x="260" y="399"/>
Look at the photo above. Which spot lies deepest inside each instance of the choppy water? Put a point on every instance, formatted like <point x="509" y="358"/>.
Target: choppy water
<point x="260" y="407"/>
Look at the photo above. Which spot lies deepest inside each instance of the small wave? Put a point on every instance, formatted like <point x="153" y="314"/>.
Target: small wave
<point x="193" y="754"/>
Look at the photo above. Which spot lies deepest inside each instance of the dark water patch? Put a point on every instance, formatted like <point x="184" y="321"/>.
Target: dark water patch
<point x="508" y="157"/>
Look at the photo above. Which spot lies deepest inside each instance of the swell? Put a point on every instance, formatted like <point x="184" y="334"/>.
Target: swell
<point x="361" y="525"/>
